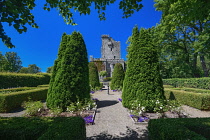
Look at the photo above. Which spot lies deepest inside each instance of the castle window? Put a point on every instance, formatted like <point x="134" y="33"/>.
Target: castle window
<point x="114" y="57"/>
<point x="111" y="49"/>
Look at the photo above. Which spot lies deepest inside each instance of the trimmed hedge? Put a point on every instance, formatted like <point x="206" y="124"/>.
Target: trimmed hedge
<point x="196" y="90"/>
<point x="179" y="129"/>
<point x="11" y="80"/>
<point x="11" y="101"/>
<point x="196" y="100"/>
<point x="44" y="128"/>
<point x="8" y="91"/>
<point x="203" y="83"/>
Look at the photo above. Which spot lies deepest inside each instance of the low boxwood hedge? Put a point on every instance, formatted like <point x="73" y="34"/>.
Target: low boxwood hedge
<point x="197" y="100"/>
<point x="195" y="90"/>
<point x="11" y="101"/>
<point x="7" y="91"/>
<point x="12" y="80"/>
<point x="44" y="128"/>
<point x="202" y="83"/>
<point x="179" y="129"/>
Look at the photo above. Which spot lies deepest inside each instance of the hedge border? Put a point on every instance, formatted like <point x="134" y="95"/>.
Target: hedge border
<point x="43" y="128"/>
<point x="14" y="100"/>
<point x="179" y="129"/>
<point x="197" y="100"/>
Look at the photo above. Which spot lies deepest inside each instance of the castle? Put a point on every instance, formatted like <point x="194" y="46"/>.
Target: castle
<point x="110" y="54"/>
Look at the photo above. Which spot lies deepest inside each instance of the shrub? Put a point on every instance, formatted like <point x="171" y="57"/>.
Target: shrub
<point x="142" y="80"/>
<point x="202" y="83"/>
<point x="117" y="77"/>
<point x="32" y="108"/>
<point x="106" y="79"/>
<point x="70" y="77"/>
<point x="38" y="128"/>
<point x="11" y="80"/>
<point x="196" y="100"/>
<point x="179" y="129"/>
<point x="14" y="100"/>
<point x="93" y="76"/>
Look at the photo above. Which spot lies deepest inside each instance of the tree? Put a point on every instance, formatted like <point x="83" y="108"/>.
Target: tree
<point x="13" y="62"/>
<point x="117" y="77"/>
<point x="103" y="73"/>
<point x="18" y="13"/>
<point x="93" y="76"/>
<point x="142" y="80"/>
<point x="3" y="62"/>
<point x="50" y="69"/>
<point x="70" y="78"/>
<point x="194" y="17"/>
<point x="33" y="68"/>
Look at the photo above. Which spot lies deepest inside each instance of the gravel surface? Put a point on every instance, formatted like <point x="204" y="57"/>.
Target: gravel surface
<point x="112" y="120"/>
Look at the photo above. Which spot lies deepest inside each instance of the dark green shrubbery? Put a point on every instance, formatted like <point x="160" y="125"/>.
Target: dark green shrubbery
<point x="93" y="76"/>
<point x="142" y="80"/>
<point x="70" y="78"/>
<point x="202" y="83"/>
<point x="179" y="129"/>
<point x="11" y="80"/>
<point x="117" y="77"/>
<point x="14" y="100"/>
<point x="48" y="128"/>
<point x="197" y="100"/>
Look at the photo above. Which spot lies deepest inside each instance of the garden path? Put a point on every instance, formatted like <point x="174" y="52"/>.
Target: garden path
<point x="112" y="120"/>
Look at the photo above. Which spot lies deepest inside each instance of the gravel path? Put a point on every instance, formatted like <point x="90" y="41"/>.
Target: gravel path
<point x="112" y="120"/>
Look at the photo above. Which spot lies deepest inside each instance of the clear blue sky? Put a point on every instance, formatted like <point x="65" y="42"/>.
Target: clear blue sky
<point x="40" y="46"/>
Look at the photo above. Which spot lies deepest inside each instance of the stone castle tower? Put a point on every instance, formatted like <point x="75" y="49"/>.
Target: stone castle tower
<point x="110" y="54"/>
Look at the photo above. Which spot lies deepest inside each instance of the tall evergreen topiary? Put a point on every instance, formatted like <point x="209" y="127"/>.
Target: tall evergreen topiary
<point x="142" y="80"/>
<point x="117" y="77"/>
<point x="93" y="76"/>
<point x="70" y="77"/>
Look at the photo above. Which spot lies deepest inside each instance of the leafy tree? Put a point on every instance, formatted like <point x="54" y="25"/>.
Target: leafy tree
<point x="117" y="77"/>
<point x="142" y="80"/>
<point x="3" y="62"/>
<point x="93" y="76"/>
<point x="33" y="68"/>
<point x="50" y="69"/>
<point x="18" y="13"/>
<point x="191" y="20"/>
<point x="13" y="62"/>
<point x="70" y="78"/>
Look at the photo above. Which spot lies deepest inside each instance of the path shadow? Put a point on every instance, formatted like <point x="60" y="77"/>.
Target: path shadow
<point x="106" y="103"/>
<point x="129" y="135"/>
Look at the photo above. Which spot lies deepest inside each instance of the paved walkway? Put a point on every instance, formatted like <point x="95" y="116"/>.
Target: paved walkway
<point x="112" y="121"/>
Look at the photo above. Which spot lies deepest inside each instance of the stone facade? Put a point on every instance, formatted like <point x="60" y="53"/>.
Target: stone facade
<point x="110" y="54"/>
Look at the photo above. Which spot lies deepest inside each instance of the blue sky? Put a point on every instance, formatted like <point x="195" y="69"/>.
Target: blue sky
<point x="40" y="46"/>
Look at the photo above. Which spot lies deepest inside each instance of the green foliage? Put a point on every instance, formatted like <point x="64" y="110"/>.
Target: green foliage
<point x="117" y="77"/>
<point x="202" y="83"/>
<point x="33" y="68"/>
<point x="18" y="13"/>
<point x="196" y="100"/>
<point x="14" y="100"/>
<point x="179" y="129"/>
<point x="7" y="91"/>
<point x="13" y="62"/>
<point x="103" y="73"/>
<point x="11" y="80"/>
<point x="142" y="80"/>
<point x="106" y="79"/>
<point x="38" y="128"/>
<point x="50" y="69"/>
<point x="93" y="76"/>
<point x="32" y="108"/>
<point x="70" y="77"/>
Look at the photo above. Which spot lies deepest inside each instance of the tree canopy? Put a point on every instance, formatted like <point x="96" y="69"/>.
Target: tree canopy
<point x="18" y="13"/>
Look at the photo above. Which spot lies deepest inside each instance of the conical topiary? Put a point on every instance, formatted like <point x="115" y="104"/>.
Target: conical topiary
<point x="70" y="77"/>
<point x="142" y="80"/>
<point x="117" y="77"/>
<point x="93" y="76"/>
